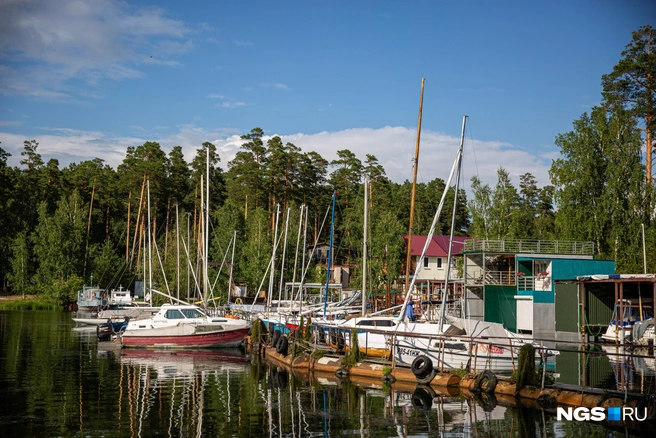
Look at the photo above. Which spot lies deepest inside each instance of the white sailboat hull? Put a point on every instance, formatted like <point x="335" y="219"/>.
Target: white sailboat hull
<point x="456" y="354"/>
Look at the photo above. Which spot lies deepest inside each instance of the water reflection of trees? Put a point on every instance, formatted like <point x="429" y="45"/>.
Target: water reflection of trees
<point x="58" y="383"/>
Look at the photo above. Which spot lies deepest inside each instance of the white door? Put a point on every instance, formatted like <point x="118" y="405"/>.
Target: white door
<point x="524" y="313"/>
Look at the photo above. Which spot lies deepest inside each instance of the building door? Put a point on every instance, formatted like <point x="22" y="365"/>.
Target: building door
<point x="524" y="313"/>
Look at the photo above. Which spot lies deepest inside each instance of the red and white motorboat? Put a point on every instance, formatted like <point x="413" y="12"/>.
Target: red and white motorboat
<point x="184" y="326"/>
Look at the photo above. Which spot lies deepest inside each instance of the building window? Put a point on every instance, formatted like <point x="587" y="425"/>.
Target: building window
<point x="426" y="263"/>
<point x="439" y="263"/>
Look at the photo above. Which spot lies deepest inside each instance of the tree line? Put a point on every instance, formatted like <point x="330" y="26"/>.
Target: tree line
<point x="87" y="223"/>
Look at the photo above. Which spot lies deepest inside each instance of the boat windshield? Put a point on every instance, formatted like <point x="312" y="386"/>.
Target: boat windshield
<point x="192" y="313"/>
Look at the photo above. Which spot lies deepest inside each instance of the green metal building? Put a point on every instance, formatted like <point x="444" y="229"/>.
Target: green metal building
<point x="513" y="282"/>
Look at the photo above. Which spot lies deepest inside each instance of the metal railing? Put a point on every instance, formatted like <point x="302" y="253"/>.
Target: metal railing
<point x="501" y="278"/>
<point x="530" y="246"/>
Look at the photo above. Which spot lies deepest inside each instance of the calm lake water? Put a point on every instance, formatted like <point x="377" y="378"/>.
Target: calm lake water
<point x="55" y="380"/>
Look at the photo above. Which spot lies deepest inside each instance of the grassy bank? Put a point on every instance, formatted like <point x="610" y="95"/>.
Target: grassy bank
<point x="16" y="302"/>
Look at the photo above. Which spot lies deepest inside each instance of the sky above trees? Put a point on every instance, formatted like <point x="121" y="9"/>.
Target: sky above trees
<point x="88" y="79"/>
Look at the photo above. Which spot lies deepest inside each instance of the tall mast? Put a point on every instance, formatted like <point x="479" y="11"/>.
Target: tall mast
<point x="364" y="246"/>
<point x="282" y="264"/>
<point x="273" y="258"/>
<point x="414" y="189"/>
<point x="207" y="224"/>
<point x="298" y="241"/>
<point x="453" y="225"/>
<point x="177" y="238"/>
<point x="232" y="263"/>
<point x="188" y="253"/>
<point x="202" y="289"/>
<point x="300" y="286"/>
<point x="150" y="246"/>
<point x="330" y="254"/>
<point x="430" y="234"/>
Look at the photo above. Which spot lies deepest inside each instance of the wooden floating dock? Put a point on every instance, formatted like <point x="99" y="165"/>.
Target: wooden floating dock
<point x="447" y="384"/>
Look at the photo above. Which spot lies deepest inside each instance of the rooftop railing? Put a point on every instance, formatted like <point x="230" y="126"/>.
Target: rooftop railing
<point x="518" y="246"/>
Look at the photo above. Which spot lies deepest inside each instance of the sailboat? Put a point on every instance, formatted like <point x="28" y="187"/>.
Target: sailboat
<point x="449" y="342"/>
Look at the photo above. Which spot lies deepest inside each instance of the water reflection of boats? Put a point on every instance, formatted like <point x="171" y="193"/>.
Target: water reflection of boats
<point x="176" y="390"/>
<point x="640" y="360"/>
<point x="168" y="364"/>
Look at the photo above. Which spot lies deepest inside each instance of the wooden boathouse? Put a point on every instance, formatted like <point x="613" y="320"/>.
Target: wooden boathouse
<point x="590" y="301"/>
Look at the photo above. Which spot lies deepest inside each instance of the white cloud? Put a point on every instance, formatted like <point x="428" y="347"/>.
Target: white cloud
<point x="393" y="146"/>
<point x="243" y="43"/>
<point x="230" y="104"/>
<point x="277" y="85"/>
<point x="227" y="102"/>
<point x="45" y="44"/>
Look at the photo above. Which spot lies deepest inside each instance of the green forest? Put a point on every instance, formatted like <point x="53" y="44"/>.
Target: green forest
<point x="86" y="223"/>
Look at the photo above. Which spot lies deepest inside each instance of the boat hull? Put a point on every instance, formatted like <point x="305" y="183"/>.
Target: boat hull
<point x="457" y="354"/>
<point x="95" y="321"/>
<point x="167" y="339"/>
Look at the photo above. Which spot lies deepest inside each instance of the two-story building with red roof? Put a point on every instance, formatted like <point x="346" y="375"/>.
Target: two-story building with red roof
<point x="432" y="275"/>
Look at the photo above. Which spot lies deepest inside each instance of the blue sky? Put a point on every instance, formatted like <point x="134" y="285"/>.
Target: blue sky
<point x="88" y="78"/>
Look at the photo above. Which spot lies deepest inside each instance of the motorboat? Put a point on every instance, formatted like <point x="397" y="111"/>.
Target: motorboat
<point x="91" y="298"/>
<point x="184" y="326"/>
<point x="620" y="328"/>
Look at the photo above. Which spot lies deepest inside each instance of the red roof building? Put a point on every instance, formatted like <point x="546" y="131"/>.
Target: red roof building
<point x="432" y="275"/>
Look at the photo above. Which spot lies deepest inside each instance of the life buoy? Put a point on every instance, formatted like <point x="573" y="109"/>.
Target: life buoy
<point x="421" y="366"/>
<point x="485" y="381"/>
<point x="283" y="343"/>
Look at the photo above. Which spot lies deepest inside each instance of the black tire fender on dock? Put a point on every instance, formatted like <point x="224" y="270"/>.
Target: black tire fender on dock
<point x="271" y="328"/>
<point x="428" y="378"/>
<point x="282" y="346"/>
<point x="321" y="334"/>
<point x="340" y="341"/>
<point x="276" y="338"/>
<point x="485" y="381"/>
<point x="648" y="404"/>
<point x="422" y="366"/>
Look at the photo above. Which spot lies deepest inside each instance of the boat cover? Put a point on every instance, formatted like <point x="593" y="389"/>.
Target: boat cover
<point x="475" y="328"/>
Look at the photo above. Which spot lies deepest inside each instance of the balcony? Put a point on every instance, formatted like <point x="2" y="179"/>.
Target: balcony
<point x="497" y="278"/>
<point x="537" y="282"/>
<point x="504" y="278"/>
